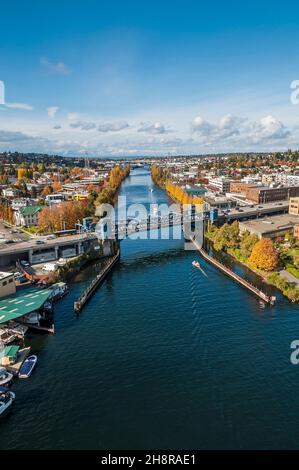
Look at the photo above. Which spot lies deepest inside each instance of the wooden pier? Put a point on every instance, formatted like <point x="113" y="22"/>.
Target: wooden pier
<point x="266" y="298"/>
<point x="85" y="296"/>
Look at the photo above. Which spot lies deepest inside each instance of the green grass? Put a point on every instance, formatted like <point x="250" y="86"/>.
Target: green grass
<point x="292" y="270"/>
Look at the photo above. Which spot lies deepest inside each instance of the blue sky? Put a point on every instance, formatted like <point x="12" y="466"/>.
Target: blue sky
<point x="148" y="78"/>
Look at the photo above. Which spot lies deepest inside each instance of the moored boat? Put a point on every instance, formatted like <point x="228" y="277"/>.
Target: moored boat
<point x="6" y="399"/>
<point x="32" y="318"/>
<point x="59" y="290"/>
<point x="27" y="367"/>
<point x="5" y="377"/>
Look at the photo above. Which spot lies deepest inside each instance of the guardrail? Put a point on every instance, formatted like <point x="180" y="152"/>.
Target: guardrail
<point x="266" y="298"/>
<point x="85" y="296"/>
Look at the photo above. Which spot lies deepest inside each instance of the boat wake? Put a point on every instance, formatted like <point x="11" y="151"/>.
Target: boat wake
<point x="197" y="265"/>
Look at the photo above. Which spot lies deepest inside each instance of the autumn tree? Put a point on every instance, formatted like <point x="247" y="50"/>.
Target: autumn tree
<point x="57" y="186"/>
<point x="264" y="255"/>
<point x="47" y="190"/>
<point x="60" y="216"/>
<point x="247" y="242"/>
<point x="227" y="236"/>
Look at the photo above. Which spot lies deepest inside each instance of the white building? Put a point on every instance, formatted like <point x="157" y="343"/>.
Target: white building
<point x="219" y="185"/>
<point x="22" y="202"/>
<point x="27" y="216"/>
<point x="7" y="284"/>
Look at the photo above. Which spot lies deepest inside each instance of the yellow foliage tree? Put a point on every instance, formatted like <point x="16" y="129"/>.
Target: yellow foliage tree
<point x="264" y="255"/>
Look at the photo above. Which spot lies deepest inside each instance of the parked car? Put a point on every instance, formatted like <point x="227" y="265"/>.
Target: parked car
<point x="24" y="263"/>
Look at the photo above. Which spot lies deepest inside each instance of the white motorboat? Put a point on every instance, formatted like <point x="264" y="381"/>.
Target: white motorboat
<point x="196" y="264"/>
<point x="6" y="399"/>
<point x="5" y="377"/>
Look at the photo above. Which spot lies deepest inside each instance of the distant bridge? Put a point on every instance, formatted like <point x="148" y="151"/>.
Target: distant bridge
<point x="107" y="229"/>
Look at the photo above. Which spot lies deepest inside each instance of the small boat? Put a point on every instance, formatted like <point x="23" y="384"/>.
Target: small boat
<point x="32" y="318"/>
<point x="59" y="290"/>
<point x="27" y="367"/>
<point x="196" y="264"/>
<point x="6" y="399"/>
<point x="5" y="377"/>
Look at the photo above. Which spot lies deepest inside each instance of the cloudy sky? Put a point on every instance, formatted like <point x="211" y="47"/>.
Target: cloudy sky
<point x="148" y="78"/>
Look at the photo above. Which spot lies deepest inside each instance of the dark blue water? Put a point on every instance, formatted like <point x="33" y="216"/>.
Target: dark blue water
<point x="161" y="357"/>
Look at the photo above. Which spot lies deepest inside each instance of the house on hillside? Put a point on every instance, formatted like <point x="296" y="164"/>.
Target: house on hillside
<point x="27" y="216"/>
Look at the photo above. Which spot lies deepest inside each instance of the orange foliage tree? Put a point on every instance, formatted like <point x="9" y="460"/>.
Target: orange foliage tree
<point x="57" y="186"/>
<point x="65" y="215"/>
<point x="264" y="255"/>
<point x="178" y="193"/>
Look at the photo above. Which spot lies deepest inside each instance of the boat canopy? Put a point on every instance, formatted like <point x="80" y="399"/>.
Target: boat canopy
<point x="11" y="351"/>
<point x="22" y="303"/>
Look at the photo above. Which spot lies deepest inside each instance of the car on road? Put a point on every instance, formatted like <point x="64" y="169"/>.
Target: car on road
<point x="51" y="237"/>
<point x="25" y="263"/>
<point x="40" y="242"/>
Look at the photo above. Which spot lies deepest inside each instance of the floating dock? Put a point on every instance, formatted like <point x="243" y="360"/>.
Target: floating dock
<point x="266" y="298"/>
<point x="14" y="368"/>
<point x="85" y="296"/>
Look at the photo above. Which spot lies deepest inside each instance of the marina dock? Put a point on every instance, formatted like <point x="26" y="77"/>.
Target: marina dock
<point x="260" y="294"/>
<point x="14" y="368"/>
<point x="85" y="296"/>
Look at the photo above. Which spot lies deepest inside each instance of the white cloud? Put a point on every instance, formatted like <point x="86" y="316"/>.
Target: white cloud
<point x="113" y="126"/>
<point x="59" y="68"/>
<point x="239" y="130"/>
<point x="25" y="106"/>
<point x="52" y="110"/>
<point x="153" y="128"/>
<point x="200" y="125"/>
<point x="269" y="128"/>
<point x="73" y="116"/>
<point x="83" y="125"/>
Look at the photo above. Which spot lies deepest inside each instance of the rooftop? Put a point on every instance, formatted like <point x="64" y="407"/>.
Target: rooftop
<point x="271" y="224"/>
<point x="4" y="275"/>
<point x="22" y="303"/>
<point x="30" y="210"/>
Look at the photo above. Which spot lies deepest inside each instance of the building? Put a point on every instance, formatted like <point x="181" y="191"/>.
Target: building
<point x="293" y="180"/>
<point x="10" y="192"/>
<point x="22" y="202"/>
<point x="294" y="206"/>
<point x="261" y="195"/>
<point x="27" y="216"/>
<point x="55" y="198"/>
<point x="219" y="185"/>
<point x="240" y="186"/>
<point x="7" y="284"/>
<point x="270" y="227"/>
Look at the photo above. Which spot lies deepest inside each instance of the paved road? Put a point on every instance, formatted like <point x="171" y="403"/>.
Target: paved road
<point x="289" y="276"/>
<point x="5" y="233"/>
<point x="49" y="243"/>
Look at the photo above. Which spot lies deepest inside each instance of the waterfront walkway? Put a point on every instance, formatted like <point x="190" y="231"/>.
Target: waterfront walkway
<point x="266" y="298"/>
<point x="85" y="296"/>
